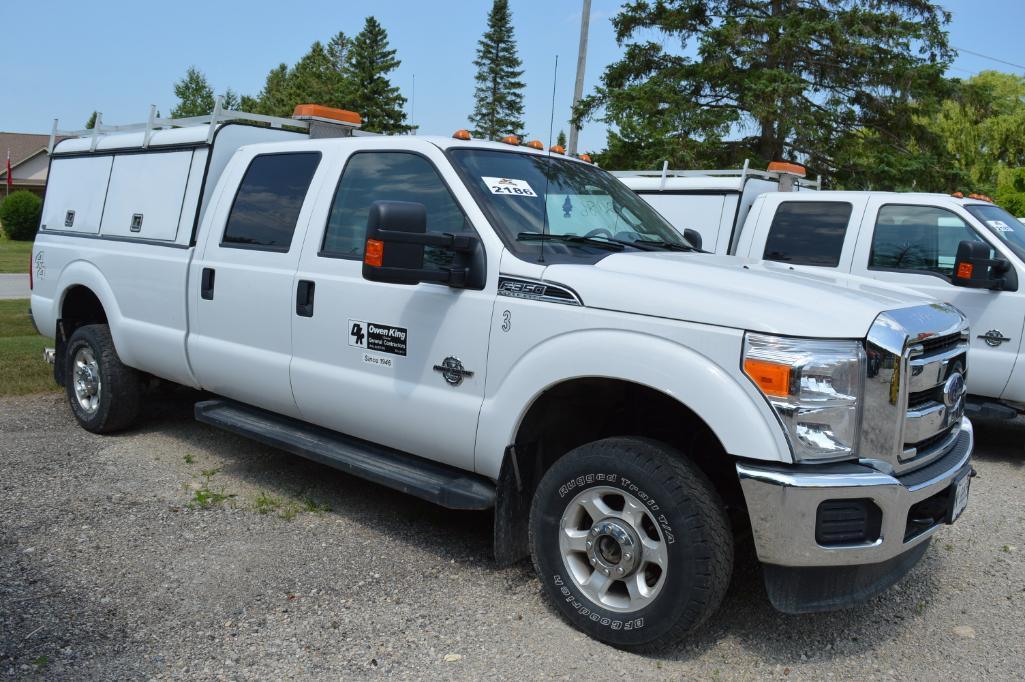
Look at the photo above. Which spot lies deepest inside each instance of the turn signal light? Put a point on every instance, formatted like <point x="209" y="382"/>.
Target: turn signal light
<point x="374" y="254"/>
<point x="964" y="270"/>
<point x="511" y="139"/>
<point x="787" y="167"/>
<point x="536" y="144"/>
<point x="771" y="377"/>
<point x="557" y="148"/>
<point x="462" y="135"/>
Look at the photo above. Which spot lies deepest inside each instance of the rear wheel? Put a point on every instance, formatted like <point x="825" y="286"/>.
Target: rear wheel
<point x="631" y="542"/>
<point x="103" y="393"/>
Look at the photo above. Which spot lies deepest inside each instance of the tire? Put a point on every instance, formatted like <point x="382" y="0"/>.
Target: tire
<point x="684" y="560"/>
<point x="103" y="393"/>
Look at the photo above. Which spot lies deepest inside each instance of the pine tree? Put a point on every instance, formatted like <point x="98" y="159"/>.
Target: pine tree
<point x="275" y="99"/>
<point x="561" y="139"/>
<point x="91" y="123"/>
<point x="498" y="97"/>
<point x="195" y="96"/>
<point x="316" y="78"/>
<point x="230" y="100"/>
<point x="367" y="65"/>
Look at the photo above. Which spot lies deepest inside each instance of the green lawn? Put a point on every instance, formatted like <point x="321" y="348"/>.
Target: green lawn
<point x="22" y="369"/>
<point x="14" y="255"/>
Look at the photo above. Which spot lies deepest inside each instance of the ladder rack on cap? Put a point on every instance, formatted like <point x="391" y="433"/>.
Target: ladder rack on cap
<point x="742" y="173"/>
<point x="219" y="115"/>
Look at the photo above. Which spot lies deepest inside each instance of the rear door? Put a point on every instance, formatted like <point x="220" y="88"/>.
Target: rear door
<point x="371" y="359"/>
<point x="907" y="242"/>
<point x="813" y="231"/>
<point x="242" y="281"/>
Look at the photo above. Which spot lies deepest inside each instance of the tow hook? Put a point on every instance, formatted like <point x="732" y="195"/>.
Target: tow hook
<point x="49" y="354"/>
<point x="973" y="473"/>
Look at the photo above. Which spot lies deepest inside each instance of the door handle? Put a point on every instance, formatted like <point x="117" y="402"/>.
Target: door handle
<point x="206" y="285"/>
<point x="304" y="298"/>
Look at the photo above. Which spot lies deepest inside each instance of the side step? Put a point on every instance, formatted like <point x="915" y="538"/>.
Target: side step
<point x="988" y="409"/>
<point x="439" y="483"/>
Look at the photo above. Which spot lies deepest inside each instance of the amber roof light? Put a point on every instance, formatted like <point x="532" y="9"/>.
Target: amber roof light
<point x="320" y="111"/>
<point x="462" y="135"/>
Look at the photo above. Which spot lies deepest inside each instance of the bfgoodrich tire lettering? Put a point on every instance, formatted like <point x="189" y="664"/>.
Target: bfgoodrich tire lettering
<point x="647" y="495"/>
<point x="103" y="393"/>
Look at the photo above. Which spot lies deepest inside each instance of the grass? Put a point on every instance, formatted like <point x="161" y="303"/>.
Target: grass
<point x="205" y="497"/>
<point x="14" y="255"/>
<point x="22" y="369"/>
<point x="288" y="509"/>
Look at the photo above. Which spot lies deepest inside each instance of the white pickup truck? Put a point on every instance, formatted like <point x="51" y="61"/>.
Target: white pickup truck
<point x="903" y="239"/>
<point x="496" y="326"/>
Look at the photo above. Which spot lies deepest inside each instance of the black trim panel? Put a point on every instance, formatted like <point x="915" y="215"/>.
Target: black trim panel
<point x="115" y="238"/>
<point x="537" y="290"/>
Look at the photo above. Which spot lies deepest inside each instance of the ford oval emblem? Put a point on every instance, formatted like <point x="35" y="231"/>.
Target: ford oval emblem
<point x="953" y="393"/>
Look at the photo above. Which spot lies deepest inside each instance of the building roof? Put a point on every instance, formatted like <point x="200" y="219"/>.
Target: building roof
<point x="23" y="146"/>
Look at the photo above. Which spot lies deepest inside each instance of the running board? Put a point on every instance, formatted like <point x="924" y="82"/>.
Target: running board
<point x="438" y="483"/>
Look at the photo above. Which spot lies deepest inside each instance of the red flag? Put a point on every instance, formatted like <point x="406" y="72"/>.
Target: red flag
<point x="10" y="181"/>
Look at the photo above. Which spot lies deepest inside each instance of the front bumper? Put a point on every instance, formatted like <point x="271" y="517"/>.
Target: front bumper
<point x="783" y="504"/>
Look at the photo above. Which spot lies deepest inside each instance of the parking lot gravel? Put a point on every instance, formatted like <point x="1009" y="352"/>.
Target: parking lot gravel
<point x="176" y="551"/>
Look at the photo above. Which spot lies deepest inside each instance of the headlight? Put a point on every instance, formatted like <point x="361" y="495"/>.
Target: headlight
<point x="815" y="387"/>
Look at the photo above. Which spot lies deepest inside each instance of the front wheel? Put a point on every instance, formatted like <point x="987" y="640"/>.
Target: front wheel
<point x="631" y="542"/>
<point x="104" y="393"/>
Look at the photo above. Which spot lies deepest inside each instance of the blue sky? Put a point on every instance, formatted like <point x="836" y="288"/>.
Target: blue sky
<point x="64" y="59"/>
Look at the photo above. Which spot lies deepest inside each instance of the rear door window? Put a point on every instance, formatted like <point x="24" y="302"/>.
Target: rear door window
<point x="808" y="233"/>
<point x="268" y="201"/>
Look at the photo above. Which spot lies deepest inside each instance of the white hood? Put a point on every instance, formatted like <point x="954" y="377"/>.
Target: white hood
<point x="736" y="292"/>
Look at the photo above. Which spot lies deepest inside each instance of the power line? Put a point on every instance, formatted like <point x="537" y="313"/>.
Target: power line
<point x="985" y="56"/>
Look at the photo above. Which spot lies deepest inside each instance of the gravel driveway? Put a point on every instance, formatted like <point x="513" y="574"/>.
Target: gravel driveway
<point x="111" y="568"/>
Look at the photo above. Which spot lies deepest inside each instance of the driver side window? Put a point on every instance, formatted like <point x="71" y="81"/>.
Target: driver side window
<point x="389" y="176"/>
<point x="918" y="239"/>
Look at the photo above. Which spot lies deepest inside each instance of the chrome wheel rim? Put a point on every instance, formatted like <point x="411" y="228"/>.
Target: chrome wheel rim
<point x="86" y="380"/>
<point x="613" y="549"/>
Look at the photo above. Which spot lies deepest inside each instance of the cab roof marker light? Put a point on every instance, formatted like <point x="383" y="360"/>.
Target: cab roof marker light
<point x="586" y="158"/>
<point x="557" y="149"/>
<point x="536" y="144"/>
<point x="511" y="139"/>
<point x="462" y="134"/>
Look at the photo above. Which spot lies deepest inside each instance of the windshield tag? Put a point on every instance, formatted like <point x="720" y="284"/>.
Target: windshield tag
<point x="999" y="225"/>
<point x="516" y="188"/>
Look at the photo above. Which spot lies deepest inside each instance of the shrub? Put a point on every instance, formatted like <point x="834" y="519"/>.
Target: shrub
<point x="19" y="215"/>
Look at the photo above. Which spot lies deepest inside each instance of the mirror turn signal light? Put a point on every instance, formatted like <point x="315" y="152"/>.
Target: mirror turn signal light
<point x="374" y="254"/>
<point x="772" y="378"/>
<point x="964" y="270"/>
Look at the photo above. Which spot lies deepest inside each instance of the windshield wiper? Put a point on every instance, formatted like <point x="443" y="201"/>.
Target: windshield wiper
<point x="571" y="239"/>
<point x="669" y="246"/>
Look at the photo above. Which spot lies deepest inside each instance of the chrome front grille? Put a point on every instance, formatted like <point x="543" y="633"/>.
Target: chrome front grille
<point x="914" y="391"/>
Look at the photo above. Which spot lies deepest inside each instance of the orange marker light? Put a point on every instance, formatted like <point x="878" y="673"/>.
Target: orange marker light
<point x="772" y="378"/>
<point x="787" y="167"/>
<point x="303" y="111"/>
<point x="557" y="149"/>
<point x="536" y="144"/>
<point x="964" y="270"/>
<point x="462" y="135"/>
<point x="511" y="139"/>
<point x="958" y="195"/>
<point x="374" y="255"/>
<point x="586" y="158"/>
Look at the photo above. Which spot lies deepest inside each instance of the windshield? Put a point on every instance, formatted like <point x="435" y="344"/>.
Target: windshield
<point x="1001" y="223"/>
<point x="547" y="208"/>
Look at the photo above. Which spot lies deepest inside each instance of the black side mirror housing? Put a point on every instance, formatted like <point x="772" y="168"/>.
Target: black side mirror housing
<point x="394" y="249"/>
<point x="973" y="267"/>
<point x="692" y="236"/>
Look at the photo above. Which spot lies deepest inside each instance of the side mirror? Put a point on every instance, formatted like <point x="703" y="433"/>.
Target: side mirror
<point x="394" y="250"/>
<point x="973" y="267"/>
<point x="692" y="236"/>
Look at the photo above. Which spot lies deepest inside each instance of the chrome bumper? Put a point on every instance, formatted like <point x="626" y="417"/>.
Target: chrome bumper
<point x="783" y="504"/>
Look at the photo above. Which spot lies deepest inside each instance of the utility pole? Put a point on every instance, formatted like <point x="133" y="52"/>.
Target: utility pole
<point x="578" y="88"/>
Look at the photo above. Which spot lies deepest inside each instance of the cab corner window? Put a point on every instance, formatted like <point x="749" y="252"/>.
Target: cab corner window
<point x="808" y="233"/>
<point x="389" y="176"/>
<point x="918" y="239"/>
<point x="267" y="205"/>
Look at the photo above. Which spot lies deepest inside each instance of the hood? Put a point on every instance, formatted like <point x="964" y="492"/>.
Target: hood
<point x="736" y="292"/>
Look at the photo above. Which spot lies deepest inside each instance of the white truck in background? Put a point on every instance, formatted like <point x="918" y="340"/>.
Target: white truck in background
<point x="496" y="326"/>
<point x="902" y="239"/>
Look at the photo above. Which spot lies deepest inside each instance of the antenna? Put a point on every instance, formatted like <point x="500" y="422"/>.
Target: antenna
<point x="548" y="165"/>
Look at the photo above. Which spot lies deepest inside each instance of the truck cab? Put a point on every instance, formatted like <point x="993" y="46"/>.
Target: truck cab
<point x="901" y="239"/>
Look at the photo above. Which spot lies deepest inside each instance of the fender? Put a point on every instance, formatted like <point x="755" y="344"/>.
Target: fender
<point x="737" y="413"/>
<point x="83" y="273"/>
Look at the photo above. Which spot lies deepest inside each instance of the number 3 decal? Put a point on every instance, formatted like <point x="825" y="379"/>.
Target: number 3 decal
<point x="506" y="321"/>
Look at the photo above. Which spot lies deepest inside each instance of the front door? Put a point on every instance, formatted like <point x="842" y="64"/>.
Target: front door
<point x="915" y="245"/>
<point x="394" y="364"/>
<point x="241" y="281"/>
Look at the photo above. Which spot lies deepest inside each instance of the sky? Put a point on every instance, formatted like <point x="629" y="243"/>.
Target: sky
<point x="63" y="60"/>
